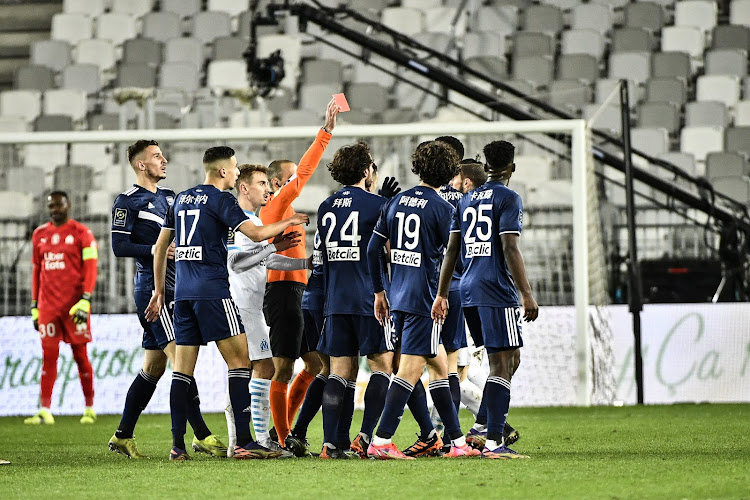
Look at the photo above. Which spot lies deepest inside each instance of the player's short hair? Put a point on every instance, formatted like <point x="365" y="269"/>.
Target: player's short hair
<point x="499" y="155"/>
<point x="57" y="192"/>
<point x="274" y="168"/>
<point x="350" y="162"/>
<point x="139" y="147"/>
<point x="473" y="170"/>
<point x="217" y="153"/>
<point x="248" y="169"/>
<point x="457" y="145"/>
<point x="435" y="163"/>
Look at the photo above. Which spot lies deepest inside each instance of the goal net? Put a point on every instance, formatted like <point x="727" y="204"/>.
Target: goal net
<point x="567" y="357"/>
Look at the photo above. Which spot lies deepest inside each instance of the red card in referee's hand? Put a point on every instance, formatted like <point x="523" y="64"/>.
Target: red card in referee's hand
<point x="341" y="102"/>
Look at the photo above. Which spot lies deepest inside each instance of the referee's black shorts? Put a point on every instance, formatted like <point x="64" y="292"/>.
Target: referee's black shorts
<point x="282" y="307"/>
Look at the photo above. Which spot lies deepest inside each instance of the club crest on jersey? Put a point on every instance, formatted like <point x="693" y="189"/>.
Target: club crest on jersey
<point x="120" y="215"/>
<point x="55" y="239"/>
<point x="188" y="253"/>
<point x="69" y="239"/>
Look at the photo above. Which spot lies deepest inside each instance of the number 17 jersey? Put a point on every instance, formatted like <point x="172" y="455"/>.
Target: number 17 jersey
<point x="481" y="217"/>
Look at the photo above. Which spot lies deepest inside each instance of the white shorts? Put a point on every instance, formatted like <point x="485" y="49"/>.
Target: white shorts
<point x="256" y="329"/>
<point x="464" y="357"/>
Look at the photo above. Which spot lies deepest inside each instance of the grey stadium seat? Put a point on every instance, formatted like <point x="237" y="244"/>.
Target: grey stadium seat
<point x="723" y="164"/>
<point x="733" y="187"/>
<point x="583" y="42"/>
<point x="229" y="48"/>
<point x="632" y="39"/>
<point x="492" y="66"/>
<point x="53" y="123"/>
<point x="501" y="19"/>
<point x="543" y="19"/>
<point x="180" y="75"/>
<point x="142" y="51"/>
<point x="368" y="97"/>
<point x="646" y="15"/>
<point x="737" y="139"/>
<point x="577" y="67"/>
<point x="527" y="43"/>
<point x="208" y="26"/>
<point x="706" y="114"/>
<point x="483" y="43"/>
<point x="185" y="49"/>
<point x="136" y="75"/>
<point x="666" y="90"/>
<point x="74" y="178"/>
<point x="34" y="77"/>
<point x="652" y="141"/>
<point x="86" y="77"/>
<point x="731" y="37"/>
<point x="726" y="62"/>
<point x="322" y="71"/>
<point x="608" y="119"/>
<point x="635" y="66"/>
<point x="592" y="16"/>
<point x="571" y="95"/>
<point x="55" y="54"/>
<point x="161" y="26"/>
<point x="104" y="121"/>
<point x="671" y="64"/>
<point x="659" y="115"/>
<point x="535" y="69"/>
<point x="183" y="8"/>
<point x="685" y="161"/>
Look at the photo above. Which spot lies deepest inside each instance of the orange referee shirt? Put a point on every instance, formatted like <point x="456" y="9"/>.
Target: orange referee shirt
<point x="279" y="205"/>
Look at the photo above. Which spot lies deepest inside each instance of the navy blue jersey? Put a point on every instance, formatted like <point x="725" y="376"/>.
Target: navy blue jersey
<point x="482" y="216"/>
<point x="137" y="217"/>
<point x="345" y="223"/>
<point x="416" y="224"/>
<point x="201" y="218"/>
<point x="452" y="196"/>
<point x="313" y="297"/>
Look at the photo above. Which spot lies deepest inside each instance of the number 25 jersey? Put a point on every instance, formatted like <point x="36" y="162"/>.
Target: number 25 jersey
<point x="482" y="216"/>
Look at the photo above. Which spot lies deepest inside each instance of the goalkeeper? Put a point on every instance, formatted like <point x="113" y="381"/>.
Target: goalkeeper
<point x="64" y="261"/>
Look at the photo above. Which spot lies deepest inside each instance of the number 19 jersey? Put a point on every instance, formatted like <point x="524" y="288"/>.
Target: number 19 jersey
<point x="416" y="224"/>
<point x="201" y="218"/>
<point x="481" y="217"/>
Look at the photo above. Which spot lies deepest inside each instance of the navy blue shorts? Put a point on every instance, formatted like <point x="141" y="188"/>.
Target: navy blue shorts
<point x="495" y="328"/>
<point x="158" y="334"/>
<point x="420" y="335"/>
<point x="352" y="335"/>
<point x="453" y="334"/>
<point x="198" y="322"/>
<point x="313" y="327"/>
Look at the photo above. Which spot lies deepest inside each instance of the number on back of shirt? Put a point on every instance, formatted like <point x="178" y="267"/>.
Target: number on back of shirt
<point x="182" y="215"/>
<point x="407" y="239"/>
<point x="349" y="233"/>
<point x="479" y="232"/>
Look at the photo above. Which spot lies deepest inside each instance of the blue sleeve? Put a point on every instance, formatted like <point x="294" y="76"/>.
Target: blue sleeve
<point x="123" y="247"/>
<point x="456" y="220"/>
<point x="230" y="212"/>
<point x="374" y="263"/>
<point x="169" y="219"/>
<point x="511" y="214"/>
<point x="445" y="229"/>
<point x="381" y="227"/>
<point x="123" y="219"/>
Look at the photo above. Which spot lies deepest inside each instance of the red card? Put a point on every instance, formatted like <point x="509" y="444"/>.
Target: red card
<point x="341" y="101"/>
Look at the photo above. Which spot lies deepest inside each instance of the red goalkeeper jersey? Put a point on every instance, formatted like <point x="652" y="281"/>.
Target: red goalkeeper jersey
<point x="64" y="265"/>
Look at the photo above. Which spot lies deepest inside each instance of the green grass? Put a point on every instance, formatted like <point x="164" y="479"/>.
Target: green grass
<point x="679" y="451"/>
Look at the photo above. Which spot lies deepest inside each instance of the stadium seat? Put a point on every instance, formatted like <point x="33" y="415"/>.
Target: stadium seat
<point x="531" y="169"/>
<point x="136" y="75"/>
<point x="562" y="4"/>
<point x="299" y="117"/>
<point x="53" y="123"/>
<point x="742" y="113"/>
<point x="526" y="43"/>
<point x="182" y="75"/>
<point x="363" y="72"/>
<point x="93" y="8"/>
<point x="739" y="12"/>
<point x="142" y="51"/>
<point x="651" y="141"/>
<point x="74" y="179"/>
<point x="671" y="65"/>
<point x="492" y="66"/>
<point x="550" y="193"/>
<point x="228" y="47"/>
<point x="280" y="101"/>
<point x="98" y="202"/>
<point x="738" y="140"/>
<point x="723" y="164"/>
<point x="685" y="161"/>
<point x="731" y="37"/>
<point x="186" y="49"/>
<point x="646" y="15"/>
<point x="71" y="28"/>
<point x="104" y="121"/>
<point x="577" y="67"/>
<point x="706" y="114"/>
<point x="161" y="26"/>
<point x="115" y="27"/>
<point x="26" y="104"/>
<point x="98" y="52"/>
<point x="86" y="77"/>
<point x="608" y="118"/>
<point x="368" y="97"/>
<point x="632" y="40"/>
<point x="322" y="71"/>
<point x="483" y="43"/>
<point x="683" y="39"/>
<point x="13" y="124"/>
<point x="55" y="54"/>
<point x="723" y="88"/>
<point x="502" y="19"/>
<point x="605" y="86"/>
<point x="16" y="205"/>
<point x="96" y="154"/>
<point x="225" y="75"/>
<point x="615" y="4"/>
<point x="733" y="187"/>
<point x="421" y="4"/>
<point x="440" y="20"/>
<point x="726" y="62"/>
<point x="698" y="13"/>
<point x="593" y="16"/>
<point x="45" y="156"/>
<point x="33" y="77"/>
<point x="250" y="118"/>
<point x="313" y="96"/>
<point x="183" y="8"/>
<point x="27" y="180"/>
<point x="671" y="90"/>
<point x="635" y="66"/>
<point x="538" y="70"/>
<point x="136" y="8"/>
<point x="659" y="115"/>
<point x="208" y="26"/>
<point x="232" y="7"/>
<point x="701" y="140"/>
<point x="543" y="19"/>
<point x="70" y="102"/>
<point x="583" y="42"/>
<point x="442" y="42"/>
<point x="403" y="19"/>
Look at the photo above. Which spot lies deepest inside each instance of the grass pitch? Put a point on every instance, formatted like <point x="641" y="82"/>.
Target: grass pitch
<point x="679" y="451"/>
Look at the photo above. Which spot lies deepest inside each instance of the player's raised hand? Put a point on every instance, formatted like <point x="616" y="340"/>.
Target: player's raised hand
<point x="154" y="307"/>
<point x="331" y="112"/>
<point x="382" y="307"/>
<point x="170" y="251"/>
<point x="299" y="219"/>
<point x="530" y="307"/>
<point x="390" y="188"/>
<point x="439" y="309"/>
<point x="287" y="240"/>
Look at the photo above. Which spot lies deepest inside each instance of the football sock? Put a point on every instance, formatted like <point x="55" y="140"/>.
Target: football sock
<point x="239" y="394"/>
<point x="297" y="391"/>
<point x="418" y="405"/>
<point x="497" y="393"/>
<point x="471" y="396"/>
<point x="178" y="402"/>
<point x="375" y="393"/>
<point x="441" y="397"/>
<point x="139" y="394"/>
<point x="491" y="444"/>
<point x="395" y="401"/>
<point x="260" y="407"/>
<point x="200" y="429"/>
<point x="85" y="372"/>
<point x="333" y="399"/>
<point x="455" y="387"/>
<point x="311" y="404"/>
<point x="50" y="352"/>
<point x="343" y="439"/>
<point x="277" y="398"/>
<point x="482" y="412"/>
